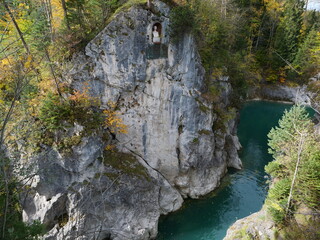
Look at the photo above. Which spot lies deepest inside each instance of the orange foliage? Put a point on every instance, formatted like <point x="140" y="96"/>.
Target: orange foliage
<point x="83" y="97"/>
<point x="113" y="121"/>
<point x="282" y="75"/>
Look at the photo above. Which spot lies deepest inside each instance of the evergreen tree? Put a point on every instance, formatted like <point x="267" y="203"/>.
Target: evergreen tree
<point x="296" y="149"/>
<point x="307" y="60"/>
<point x="289" y="31"/>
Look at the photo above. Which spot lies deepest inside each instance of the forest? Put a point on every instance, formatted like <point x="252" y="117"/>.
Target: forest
<point x="251" y="41"/>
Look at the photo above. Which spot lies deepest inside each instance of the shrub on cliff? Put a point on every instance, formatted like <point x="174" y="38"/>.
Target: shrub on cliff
<point x="52" y="111"/>
<point x="182" y="20"/>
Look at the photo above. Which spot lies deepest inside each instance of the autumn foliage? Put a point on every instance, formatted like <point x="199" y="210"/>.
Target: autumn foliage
<point x="113" y="120"/>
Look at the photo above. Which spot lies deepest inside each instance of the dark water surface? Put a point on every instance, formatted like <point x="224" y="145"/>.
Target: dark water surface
<point x="241" y="192"/>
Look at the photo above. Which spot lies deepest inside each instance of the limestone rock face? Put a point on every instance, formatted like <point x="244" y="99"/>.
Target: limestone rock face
<point x="256" y="226"/>
<point x="298" y="95"/>
<point x="170" y="123"/>
<point x="79" y="196"/>
<point x="170" y="151"/>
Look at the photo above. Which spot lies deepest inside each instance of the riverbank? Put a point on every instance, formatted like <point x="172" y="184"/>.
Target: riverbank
<point x="258" y="225"/>
<point x="287" y="93"/>
<point x="274" y="221"/>
<point x="241" y="192"/>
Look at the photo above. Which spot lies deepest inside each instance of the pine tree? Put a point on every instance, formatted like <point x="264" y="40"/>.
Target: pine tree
<point x="307" y="60"/>
<point x="289" y="30"/>
<point x="296" y="150"/>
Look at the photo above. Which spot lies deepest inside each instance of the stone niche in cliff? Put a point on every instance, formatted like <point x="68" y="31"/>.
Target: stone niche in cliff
<point x="169" y="153"/>
<point x="157" y="40"/>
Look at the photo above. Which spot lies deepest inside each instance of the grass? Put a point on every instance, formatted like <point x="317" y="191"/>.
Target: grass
<point x="130" y="4"/>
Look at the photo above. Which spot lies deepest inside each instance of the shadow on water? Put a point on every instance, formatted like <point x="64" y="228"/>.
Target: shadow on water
<point x="241" y="192"/>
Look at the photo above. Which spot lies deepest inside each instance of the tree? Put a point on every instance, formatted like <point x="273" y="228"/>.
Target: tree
<point x="288" y="34"/>
<point x="12" y="226"/>
<point x="16" y="25"/>
<point x="29" y="34"/>
<point x="307" y="59"/>
<point x="182" y="21"/>
<point x="65" y="11"/>
<point x="295" y="148"/>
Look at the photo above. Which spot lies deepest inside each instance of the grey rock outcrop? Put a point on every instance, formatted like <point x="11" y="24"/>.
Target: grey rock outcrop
<point x="256" y="226"/>
<point x="170" y="123"/>
<point x="298" y="94"/>
<point x="170" y="151"/>
<point x="79" y="196"/>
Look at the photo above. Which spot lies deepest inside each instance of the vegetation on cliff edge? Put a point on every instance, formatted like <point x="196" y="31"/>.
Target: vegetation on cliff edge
<point x="295" y="172"/>
<point x="248" y="40"/>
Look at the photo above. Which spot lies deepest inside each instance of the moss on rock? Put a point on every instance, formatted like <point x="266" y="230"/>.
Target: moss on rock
<point x="125" y="163"/>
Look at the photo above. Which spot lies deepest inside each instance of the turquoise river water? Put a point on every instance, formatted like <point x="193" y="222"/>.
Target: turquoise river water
<point x="241" y="192"/>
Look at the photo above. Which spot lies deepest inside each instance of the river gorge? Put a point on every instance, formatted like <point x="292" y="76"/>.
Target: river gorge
<point x="242" y="192"/>
<point x="135" y="119"/>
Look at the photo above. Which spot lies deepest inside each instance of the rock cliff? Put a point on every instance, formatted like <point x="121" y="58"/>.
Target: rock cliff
<point x="169" y="153"/>
<point x="302" y="94"/>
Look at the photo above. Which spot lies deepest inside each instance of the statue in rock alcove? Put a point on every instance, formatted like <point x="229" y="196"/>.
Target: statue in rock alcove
<point x="156" y="36"/>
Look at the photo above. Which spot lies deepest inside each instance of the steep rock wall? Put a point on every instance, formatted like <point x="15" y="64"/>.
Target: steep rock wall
<point x="170" y="123"/>
<point x="170" y="151"/>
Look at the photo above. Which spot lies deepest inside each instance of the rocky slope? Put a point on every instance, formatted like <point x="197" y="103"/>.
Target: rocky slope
<point x="256" y="226"/>
<point x="170" y="151"/>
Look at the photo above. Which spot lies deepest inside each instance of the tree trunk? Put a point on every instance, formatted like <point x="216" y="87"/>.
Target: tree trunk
<point x="300" y="147"/>
<point x="16" y="26"/>
<point x="306" y="4"/>
<point x="4" y="165"/>
<point x="65" y="11"/>
<point x="48" y="13"/>
<point x="52" y="72"/>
